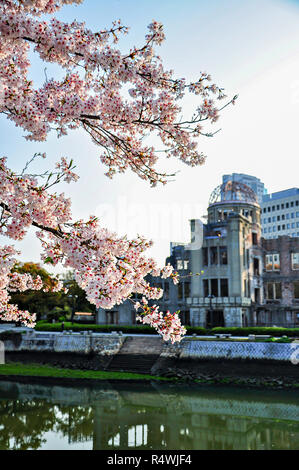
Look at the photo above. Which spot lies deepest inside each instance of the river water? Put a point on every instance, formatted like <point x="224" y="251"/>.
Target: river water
<point x="146" y="416"/>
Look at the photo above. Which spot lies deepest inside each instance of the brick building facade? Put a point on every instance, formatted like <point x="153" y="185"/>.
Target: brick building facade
<point x="280" y="282"/>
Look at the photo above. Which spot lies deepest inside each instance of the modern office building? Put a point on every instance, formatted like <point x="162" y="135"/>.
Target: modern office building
<point x="280" y="214"/>
<point x="254" y="183"/>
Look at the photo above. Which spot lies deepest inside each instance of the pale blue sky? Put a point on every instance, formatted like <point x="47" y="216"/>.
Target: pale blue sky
<point x="250" y="47"/>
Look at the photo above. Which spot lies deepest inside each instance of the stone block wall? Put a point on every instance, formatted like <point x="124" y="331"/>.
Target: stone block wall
<point x="104" y="345"/>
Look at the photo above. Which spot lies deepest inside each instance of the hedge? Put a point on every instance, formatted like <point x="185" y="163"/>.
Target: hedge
<point x="258" y="330"/>
<point x="143" y="329"/>
<point x="43" y="326"/>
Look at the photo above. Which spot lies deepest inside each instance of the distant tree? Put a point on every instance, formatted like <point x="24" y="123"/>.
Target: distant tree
<point x="37" y="301"/>
<point x="75" y="297"/>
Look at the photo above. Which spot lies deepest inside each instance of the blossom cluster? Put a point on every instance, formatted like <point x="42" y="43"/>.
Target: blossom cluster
<point x="168" y="325"/>
<point x="109" y="268"/>
<point x="11" y="312"/>
<point x="121" y="99"/>
<point x="24" y="202"/>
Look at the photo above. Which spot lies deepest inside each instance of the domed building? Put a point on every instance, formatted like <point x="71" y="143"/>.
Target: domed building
<point x="244" y="279"/>
<point x="227" y="253"/>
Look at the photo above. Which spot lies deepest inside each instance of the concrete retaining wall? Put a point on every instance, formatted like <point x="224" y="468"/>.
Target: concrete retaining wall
<point x="193" y="349"/>
<point x="110" y="344"/>
<point x="78" y="343"/>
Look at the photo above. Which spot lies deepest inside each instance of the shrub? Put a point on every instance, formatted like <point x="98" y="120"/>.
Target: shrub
<point x="257" y="330"/>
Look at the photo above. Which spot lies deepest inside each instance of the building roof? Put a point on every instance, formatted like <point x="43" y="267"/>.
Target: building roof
<point x="280" y="194"/>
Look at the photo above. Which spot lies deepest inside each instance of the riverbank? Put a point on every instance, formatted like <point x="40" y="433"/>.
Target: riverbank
<point x="38" y="373"/>
<point x="31" y="371"/>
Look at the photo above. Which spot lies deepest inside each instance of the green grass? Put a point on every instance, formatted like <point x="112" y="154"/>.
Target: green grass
<point x="33" y="370"/>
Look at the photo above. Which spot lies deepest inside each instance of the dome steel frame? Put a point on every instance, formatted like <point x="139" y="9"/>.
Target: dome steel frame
<point x="233" y="191"/>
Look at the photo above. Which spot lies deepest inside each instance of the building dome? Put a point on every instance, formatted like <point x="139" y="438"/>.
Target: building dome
<point x="233" y="191"/>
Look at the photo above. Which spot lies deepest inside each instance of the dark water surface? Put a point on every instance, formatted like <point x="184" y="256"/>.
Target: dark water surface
<point x="146" y="416"/>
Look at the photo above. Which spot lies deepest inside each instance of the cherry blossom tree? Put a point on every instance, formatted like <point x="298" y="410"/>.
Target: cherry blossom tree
<point x="123" y="101"/>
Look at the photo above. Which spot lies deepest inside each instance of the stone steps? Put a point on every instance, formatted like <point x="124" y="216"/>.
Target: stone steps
<point x="137" y="355"/>
<point x="133" y="363"/>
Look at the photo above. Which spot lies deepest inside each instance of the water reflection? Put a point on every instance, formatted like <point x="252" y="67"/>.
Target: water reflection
<point x="146" y="417"/>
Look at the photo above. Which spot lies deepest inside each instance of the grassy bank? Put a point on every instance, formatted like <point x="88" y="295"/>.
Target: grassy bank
<point x="33" y="370"/>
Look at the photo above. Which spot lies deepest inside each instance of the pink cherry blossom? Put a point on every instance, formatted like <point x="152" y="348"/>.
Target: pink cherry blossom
<point x="122" y="100"/>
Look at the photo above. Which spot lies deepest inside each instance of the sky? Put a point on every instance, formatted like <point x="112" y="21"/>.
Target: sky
<point x="250" y="48"/>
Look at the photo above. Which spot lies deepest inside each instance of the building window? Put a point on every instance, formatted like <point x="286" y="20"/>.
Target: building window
<point x="179" y="264"/>
<point x="254" y="238"/>
<point x="206" y="287"/>
<point x="295" y="261"/>
<point x="224" y="288"/>
<point x="223" y="254"/>
<point x="256" y="266"/>
<point x="180" y="291"/>
<point x="187" y="289"/>
<point x="112" y="318"/>
<point x="273" y="290"/>
<point x="166" y="291"/>
<point x="273" y="262"/>
<point x="205" y="256"/>
<point x="213" y="255"/>
<point x="296" y="290"/>
<point x="214" y="287"/>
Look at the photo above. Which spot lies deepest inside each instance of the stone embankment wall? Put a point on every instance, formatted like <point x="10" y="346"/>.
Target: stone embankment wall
<point x="190" y="348"/>
<point x="196" y="349"/>
<point x="77" y="343"/>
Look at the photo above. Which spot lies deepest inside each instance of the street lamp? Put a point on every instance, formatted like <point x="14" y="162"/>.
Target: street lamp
<point x="74" y="298"/>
